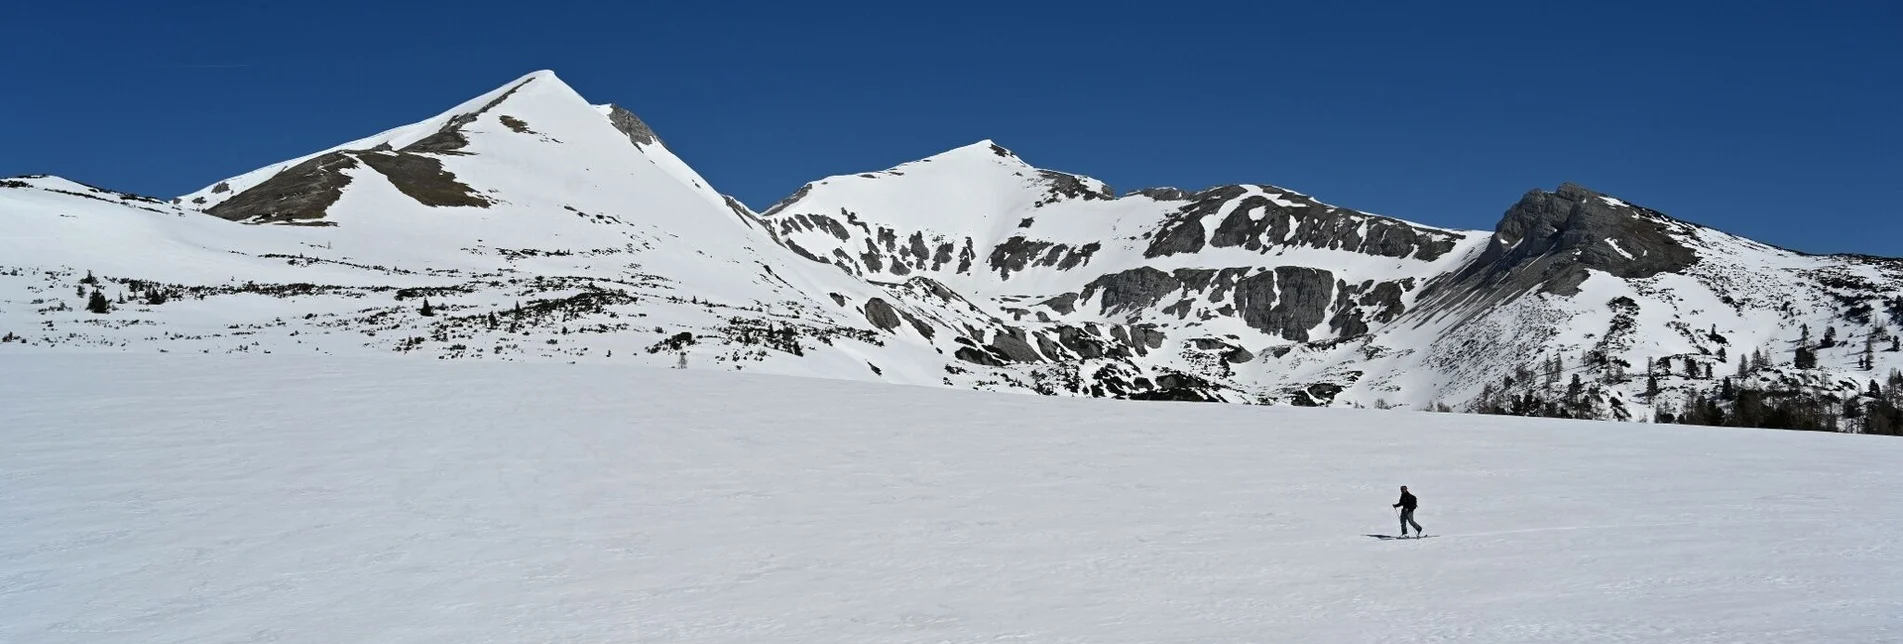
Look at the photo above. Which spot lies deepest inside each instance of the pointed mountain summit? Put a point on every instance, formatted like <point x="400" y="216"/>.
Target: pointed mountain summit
<point x="463" y="158"/>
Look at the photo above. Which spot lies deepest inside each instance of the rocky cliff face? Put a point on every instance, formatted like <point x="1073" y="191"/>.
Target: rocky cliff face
<point x="1552" y="241"/>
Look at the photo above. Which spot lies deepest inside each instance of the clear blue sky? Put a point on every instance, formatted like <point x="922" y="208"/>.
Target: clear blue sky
<point x="1776" y="120"/>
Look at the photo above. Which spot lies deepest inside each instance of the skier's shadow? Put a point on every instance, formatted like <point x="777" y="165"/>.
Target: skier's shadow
<point x="1389" y="537"/>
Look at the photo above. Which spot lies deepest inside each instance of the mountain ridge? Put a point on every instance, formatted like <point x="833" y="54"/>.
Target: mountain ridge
<point x="967" y="268"/>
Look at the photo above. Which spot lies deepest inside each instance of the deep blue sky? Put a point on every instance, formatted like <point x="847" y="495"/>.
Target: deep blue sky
<point x="1776" y="120"/>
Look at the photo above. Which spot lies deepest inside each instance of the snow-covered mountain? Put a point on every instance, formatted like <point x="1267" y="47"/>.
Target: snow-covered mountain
<point x="527" y="223"/>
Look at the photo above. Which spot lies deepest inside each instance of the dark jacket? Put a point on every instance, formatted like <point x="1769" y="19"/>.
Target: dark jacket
<point x="1407" y="501"/>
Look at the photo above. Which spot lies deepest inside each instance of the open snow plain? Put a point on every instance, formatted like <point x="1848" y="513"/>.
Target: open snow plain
<point x="196" y="499"/>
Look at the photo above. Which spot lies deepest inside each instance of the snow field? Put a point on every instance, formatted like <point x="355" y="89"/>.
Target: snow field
<point x="212" y="499"/>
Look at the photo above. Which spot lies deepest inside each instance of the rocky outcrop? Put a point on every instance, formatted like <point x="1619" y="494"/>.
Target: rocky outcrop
<point x="1286" y="302"/>
<point x="1010" y="342"/>
<point x="299" y="193"/>
<point x="449" y="139"/>
<point x="1019" y="252"/>
<point x="306" y="191"/>
<point x="1060" y="186"/>
<point x="1264" y="218"/>
<point x="1549" y="240"/>
<point x="1162" y="194"/>
<point x="1358" y="304"/>
<point x="631" y="126"/>
<point x="423" y="178"/>
<point x="1131" y="291"/>
<point x="881" y="315"/>
<point x="783" y="203"/>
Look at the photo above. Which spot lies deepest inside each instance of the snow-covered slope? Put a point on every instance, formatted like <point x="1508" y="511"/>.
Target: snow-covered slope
<point x="532" y="223"/>
<point x="300" y="499"/>
<point x="1254" y="292"/>
<point x="536" y="225"/>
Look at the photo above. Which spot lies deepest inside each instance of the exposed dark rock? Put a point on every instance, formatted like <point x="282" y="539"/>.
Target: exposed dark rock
<point x="747" y="216"/>
<point x="1179" y="236"/>
<point x="514" y="124"/>
<point x="1048" y="347"/>
<point x="1348" y="320"/>
<point x="1061" y="186"/>
<point x="923" y="329"/>
<point x="1085" y="345"/>
<point x="1225" y="280"/>
<point x="1010" y="342"/>
<point x="881" y="314"/>
<point x="870" y="258"/>
<point x="1209" y="344"/>
<point x="1050" y="257"/>
<point x="1354" y="302"/>
<point x="1183" y="231"/>
<point x="974" y="356"/>
<point x="300" y="192"/>
<point x="1239" y="228"/>
<point x="1180" y="309"/>
<point x="781" y="204"/>
<point x="1078" y="256"/>
<point x="1163" y="194"/>
<point x="450" y="139"/>
<point x="1304" y="300"/>
<point x="838" y="299"/>
<point x="221" y="188"/>
<point x="1015" y="254"/>
<point x="934" y="288"/>
<point x="1302" y="303"/>
<point x="1179" y="387"/>
<point x="1385" y="297"/>
<point x="1146" y="335"/>
<point x="916" y="244"/>
<point x="306" y="191"/>
<point x="802" y="252"/>
<point x="1316" y="395"/>
<point x="1259" y="223"/>
<point x="423" y="179"/>
<point x="640" y="134"/>
<point x="1132" y="290"/>
<point x="1549" y="240"/>
<point x="1065" y="304"/>
<point x="1194" y="279"/>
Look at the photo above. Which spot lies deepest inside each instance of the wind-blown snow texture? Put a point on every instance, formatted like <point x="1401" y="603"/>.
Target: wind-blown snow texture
<point x="538" y="226"/>
<point x="155" y="499"/>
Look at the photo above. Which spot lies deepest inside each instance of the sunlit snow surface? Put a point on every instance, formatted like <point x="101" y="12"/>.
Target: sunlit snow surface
<point x="154" y="498"/>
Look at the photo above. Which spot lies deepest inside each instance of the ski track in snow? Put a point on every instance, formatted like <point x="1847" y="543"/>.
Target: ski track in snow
<point x="218" y="499"/>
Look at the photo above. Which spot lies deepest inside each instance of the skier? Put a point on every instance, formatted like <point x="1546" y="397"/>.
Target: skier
<point x="1407" y="505"/>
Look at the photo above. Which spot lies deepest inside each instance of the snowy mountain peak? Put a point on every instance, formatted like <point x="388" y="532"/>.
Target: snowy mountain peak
<point x="535" y="124"/>
<point x="983" y="149"/>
